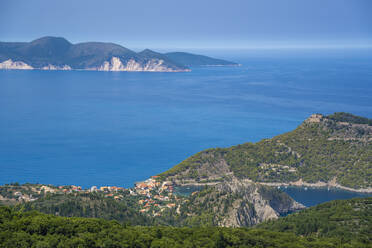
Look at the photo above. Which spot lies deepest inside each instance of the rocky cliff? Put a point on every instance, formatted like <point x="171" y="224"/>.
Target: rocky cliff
<point x="235" y="203"/>
<point x="17" y="65"/>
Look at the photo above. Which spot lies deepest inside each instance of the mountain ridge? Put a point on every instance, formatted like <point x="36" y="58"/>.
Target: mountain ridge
<point x="57" y="53"/>
<point x="324" y="151"/>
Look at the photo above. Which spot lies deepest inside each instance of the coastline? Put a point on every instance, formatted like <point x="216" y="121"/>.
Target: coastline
<point x="300" y="183"/>
<point x="330" y="184"/>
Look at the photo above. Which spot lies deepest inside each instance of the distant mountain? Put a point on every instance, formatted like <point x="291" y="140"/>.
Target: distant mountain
<point x="55" y="53"/>
<point x="190" y="59"/>
<point x="324" y="151"/>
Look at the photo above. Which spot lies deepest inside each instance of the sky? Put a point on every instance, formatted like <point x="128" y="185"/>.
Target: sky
<point x="228" y="24"/>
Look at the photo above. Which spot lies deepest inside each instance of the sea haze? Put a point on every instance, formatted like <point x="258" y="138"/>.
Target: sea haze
<point x="114" y="128"/>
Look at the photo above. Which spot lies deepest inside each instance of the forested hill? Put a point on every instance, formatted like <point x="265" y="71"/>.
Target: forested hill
<point x="334" y="150"/>
<point x="348" y="219"/>
<point x="33" y="229"/>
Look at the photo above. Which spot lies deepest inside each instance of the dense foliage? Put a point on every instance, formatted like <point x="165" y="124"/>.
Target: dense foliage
<point x="347" y="219"/>
<point x="32" y="229"/>
<point x="347" y="117"/>
<point x="315" y="151"/>
<point x="209" y="207"/>
<point x="92" y="205"/>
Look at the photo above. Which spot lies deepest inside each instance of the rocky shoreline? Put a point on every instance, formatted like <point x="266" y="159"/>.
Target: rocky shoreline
<point x="300" y="183"/>
<point x="114" y="64"/>
<point x="331" y="184"/>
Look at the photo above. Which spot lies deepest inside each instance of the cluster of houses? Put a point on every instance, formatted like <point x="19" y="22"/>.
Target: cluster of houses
<point x="145" y="187"/>
<point x="23" y="197"/>
<point x="155" y="196"/>
<point x="106" y="189"/>
<point x="32" y="192"/>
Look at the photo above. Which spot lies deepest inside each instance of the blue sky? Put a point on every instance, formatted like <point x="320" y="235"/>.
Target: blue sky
<point x="192" y="23"/>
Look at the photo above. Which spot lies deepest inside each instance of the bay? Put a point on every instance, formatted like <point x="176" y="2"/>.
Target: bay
<point x="115" y="128"/>
<point x="314" y="196"/>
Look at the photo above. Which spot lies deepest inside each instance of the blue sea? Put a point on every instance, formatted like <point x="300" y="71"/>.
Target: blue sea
<point x="314" y="196"/>
<point x="115" y="128"/>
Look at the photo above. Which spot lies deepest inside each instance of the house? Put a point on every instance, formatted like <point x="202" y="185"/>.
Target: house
<point x="93" y="189"/>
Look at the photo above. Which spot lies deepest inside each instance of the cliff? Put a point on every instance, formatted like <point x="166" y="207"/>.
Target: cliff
<point x="235" y="203"/>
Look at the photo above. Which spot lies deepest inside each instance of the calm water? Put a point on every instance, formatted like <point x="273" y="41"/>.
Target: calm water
<point x="115" y="128"/>
<point x="313" y="196"/>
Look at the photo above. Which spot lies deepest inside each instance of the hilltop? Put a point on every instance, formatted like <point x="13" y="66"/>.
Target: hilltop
<point x="57" y="53"/>
<point x="328" y="151"/>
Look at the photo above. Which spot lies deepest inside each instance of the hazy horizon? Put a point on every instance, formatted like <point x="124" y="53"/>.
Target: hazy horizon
<point x="166" y="24"/>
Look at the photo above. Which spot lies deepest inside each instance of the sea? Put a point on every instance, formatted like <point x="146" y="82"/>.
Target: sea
<point x="115" y="128"/>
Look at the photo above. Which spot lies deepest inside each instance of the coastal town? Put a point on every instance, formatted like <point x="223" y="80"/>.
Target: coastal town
<point x="152" y="196"/>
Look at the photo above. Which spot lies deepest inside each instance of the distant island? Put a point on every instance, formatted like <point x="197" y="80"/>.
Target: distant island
<point x="55" y="53"/>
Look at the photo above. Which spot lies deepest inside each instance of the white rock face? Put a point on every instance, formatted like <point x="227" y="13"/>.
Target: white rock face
<point x="115" y="64"/>
<point x="56" y="68"/>
<point x="15" y="65"/>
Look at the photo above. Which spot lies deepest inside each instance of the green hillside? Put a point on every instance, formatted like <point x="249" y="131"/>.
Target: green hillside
<point x="348" y="219"/>
<point x="91" y="205"/>
<point x="335" y="148"/>
<point x="232" y="204"/>
<point x="32" y="229"/>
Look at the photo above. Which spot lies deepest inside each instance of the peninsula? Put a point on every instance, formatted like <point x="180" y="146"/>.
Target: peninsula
<point x="233" y="184"/>
<point x="55" y="53"/>
<point x="324" y="151"/>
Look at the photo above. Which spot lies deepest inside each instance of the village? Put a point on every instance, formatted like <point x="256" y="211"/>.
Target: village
<point x="156" y="196"/>
<point x="152" y="195"/>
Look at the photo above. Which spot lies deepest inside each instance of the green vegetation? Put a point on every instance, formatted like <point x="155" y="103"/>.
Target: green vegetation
<point x="92" y="205"/>
<point x="212" y="206"/>
<point x="32" y="229"/>
<point x="346" y="117"/>
<point x="346" y="219"/>
<point x="323" y="150"/>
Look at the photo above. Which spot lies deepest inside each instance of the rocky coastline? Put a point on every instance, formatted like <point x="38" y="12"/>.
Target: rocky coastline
<point x="115" y="64"/>
<point x="331" y="185"/>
